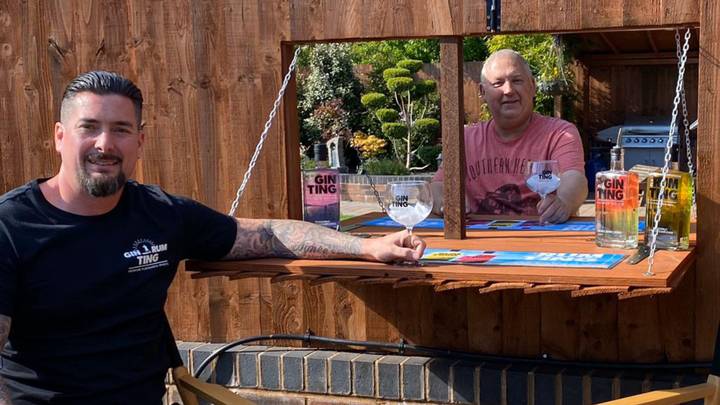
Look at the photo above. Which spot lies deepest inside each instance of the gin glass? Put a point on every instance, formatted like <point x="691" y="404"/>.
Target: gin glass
<point x="543" y="176"/>
<point x="408" y="202"/>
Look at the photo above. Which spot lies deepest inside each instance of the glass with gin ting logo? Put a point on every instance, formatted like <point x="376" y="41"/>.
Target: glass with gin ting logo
<point x="674" y="227"/>
<point x="408" y="202"/>
<point x="321" y="191"/>
<point x="616" y="205"/>
<point x="543" y="177"/>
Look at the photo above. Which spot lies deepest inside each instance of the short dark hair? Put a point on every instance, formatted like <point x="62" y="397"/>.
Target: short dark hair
<point x="101" y="82"/>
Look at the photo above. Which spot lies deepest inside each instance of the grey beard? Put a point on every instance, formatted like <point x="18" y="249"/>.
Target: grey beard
<point x="103" y="186"/>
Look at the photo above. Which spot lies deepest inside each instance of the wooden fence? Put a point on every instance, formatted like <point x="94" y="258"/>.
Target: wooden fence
<point x="210" y="71"/>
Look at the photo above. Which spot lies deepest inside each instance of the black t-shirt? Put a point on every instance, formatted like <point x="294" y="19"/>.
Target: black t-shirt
<point x="86" y="293"/>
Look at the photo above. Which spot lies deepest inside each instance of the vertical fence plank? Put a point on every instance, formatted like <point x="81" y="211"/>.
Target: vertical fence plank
<point x="707" y="299"/>
<point x="559" y="325"/>
<point x="451" y="101"/>
<point x="485" y="320"/>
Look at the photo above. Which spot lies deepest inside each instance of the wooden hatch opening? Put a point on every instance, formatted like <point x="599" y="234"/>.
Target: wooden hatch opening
<point x="600" y="55"/>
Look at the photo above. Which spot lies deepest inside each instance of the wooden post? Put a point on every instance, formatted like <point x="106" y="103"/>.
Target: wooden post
<point x="453" y="140"/>
<point x="292" y="138"/>
<point x="707" y="301"/>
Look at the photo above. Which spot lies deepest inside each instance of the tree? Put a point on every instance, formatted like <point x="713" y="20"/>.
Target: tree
<point x="406" y="125"/>
<point x="330" y="77"/>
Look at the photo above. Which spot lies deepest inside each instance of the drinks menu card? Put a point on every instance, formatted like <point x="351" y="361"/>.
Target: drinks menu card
<point x="532" y="259"/>
<point x="503" y="224"/>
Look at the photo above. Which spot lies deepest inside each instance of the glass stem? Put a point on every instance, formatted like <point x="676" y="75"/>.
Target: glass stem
<point x="409" y="229"/>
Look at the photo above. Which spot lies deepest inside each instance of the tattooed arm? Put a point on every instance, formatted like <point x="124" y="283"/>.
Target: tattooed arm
<point x="297" y="239"/>
<point x="4" y="332"/>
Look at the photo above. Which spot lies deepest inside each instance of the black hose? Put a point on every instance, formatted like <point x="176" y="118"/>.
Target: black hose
<point x="402" y="347"/>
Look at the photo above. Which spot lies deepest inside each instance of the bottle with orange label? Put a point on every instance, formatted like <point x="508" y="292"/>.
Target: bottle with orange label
<point x="616" y="205"/>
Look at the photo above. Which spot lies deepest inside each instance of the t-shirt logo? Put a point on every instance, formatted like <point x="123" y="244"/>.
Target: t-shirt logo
<point x="148" y="255"/>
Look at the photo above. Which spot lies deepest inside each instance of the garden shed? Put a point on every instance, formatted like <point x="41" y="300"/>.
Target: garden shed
<point x="210" y="72"/>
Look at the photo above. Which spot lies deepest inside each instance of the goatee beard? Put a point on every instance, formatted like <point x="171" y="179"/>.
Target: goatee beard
<point x="103" y="185"/>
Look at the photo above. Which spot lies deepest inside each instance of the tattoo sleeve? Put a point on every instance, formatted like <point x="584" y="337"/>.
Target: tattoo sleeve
<point x="291" y="239"/>
<point x="4" y="332"/>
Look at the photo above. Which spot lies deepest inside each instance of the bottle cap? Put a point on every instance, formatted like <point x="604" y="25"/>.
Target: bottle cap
<point x="321" y="152"/>
<point x="675" y="153"/>
<point x="616" y="153"/>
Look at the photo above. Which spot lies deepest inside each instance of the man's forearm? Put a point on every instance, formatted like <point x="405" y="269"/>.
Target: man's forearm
<point x="4" y="333"/>
<point x="292" y="239"/>
<point x="573" y="189"/>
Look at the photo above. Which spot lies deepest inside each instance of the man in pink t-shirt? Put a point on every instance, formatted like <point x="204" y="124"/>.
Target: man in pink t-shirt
<point x="498" y="151"/>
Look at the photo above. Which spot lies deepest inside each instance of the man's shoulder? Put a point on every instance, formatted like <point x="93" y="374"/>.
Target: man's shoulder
<point x="150" y="191"/>
<point x="156" y="194"/>
<point x="477" y="129"/>
<point x="17" y="197"/>
<point x="554" y="124"/>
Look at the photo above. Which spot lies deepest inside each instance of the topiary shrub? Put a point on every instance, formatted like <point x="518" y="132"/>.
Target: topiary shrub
<point x="413" y="65"/>
<point x="400" y="84"/>
<point x="405" y="125"/>
<point x="373" y="100"/>
<point x="424" y="87"/>
<point x="387" y="115"/>
<point x="396" y="72"/>
<point x="427" y="127"/>
<point x="428" y="155"/>
<point x="394" y="130"/>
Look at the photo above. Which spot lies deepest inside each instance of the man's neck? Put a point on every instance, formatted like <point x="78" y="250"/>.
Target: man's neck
<point x="70" y="197"/>
<point x="512" y="132"/>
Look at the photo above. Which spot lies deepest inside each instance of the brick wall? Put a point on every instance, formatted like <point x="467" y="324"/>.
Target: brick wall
<point x="356" y="187"/>
<point x="277" y="375"/>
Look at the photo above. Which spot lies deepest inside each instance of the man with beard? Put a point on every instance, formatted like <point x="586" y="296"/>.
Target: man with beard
<point x="497" y="152"/>
<point x="87" y="256"/>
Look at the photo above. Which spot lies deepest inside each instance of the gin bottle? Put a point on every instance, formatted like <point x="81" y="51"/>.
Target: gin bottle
<point x="616" y="205"/>
<point x="674" y="227"/>
<point x="321" y="191"/>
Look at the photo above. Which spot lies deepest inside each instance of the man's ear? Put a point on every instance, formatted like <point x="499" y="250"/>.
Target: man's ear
<point x="141" y="142"/>
<point x="534" y="85"/>
<point x="58" y="135"/>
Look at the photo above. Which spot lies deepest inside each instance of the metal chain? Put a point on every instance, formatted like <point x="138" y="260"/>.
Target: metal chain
<point x="264" y="134"/>
<point x="372" y="186"/>
<point x="686" y="124"/>
<point x="688" y="146"/>
<point x="668" y="151"/>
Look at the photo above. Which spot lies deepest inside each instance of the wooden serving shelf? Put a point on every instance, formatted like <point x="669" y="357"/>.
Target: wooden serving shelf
<point x="625" y="280"/>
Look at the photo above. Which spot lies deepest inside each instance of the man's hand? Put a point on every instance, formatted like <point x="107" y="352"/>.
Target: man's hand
<point x="396" y="246"/>
<point x="553" y="210"/>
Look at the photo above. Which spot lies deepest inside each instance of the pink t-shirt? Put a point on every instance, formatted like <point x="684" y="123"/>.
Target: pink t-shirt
<point x="495" y="177"/>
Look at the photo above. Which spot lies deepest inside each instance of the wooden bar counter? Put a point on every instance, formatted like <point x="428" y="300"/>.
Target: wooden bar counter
<point x="624" y="279"/>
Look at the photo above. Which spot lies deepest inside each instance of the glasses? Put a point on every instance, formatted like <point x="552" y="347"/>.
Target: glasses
<point x="408" y="202"/>
<point x="543" y="177"/>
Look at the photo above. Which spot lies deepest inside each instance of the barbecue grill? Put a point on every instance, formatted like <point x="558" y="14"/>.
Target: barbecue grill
<point x="642" y="139"/>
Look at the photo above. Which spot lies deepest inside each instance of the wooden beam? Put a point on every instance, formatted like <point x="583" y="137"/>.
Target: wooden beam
<point x="707" y="299"/>
<point x="636" y="59"/>
<point x="453" y="140"/>
<point x="292" y="139"/>
<point x="609" y="43"/>
<point x="651" y="41"/>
